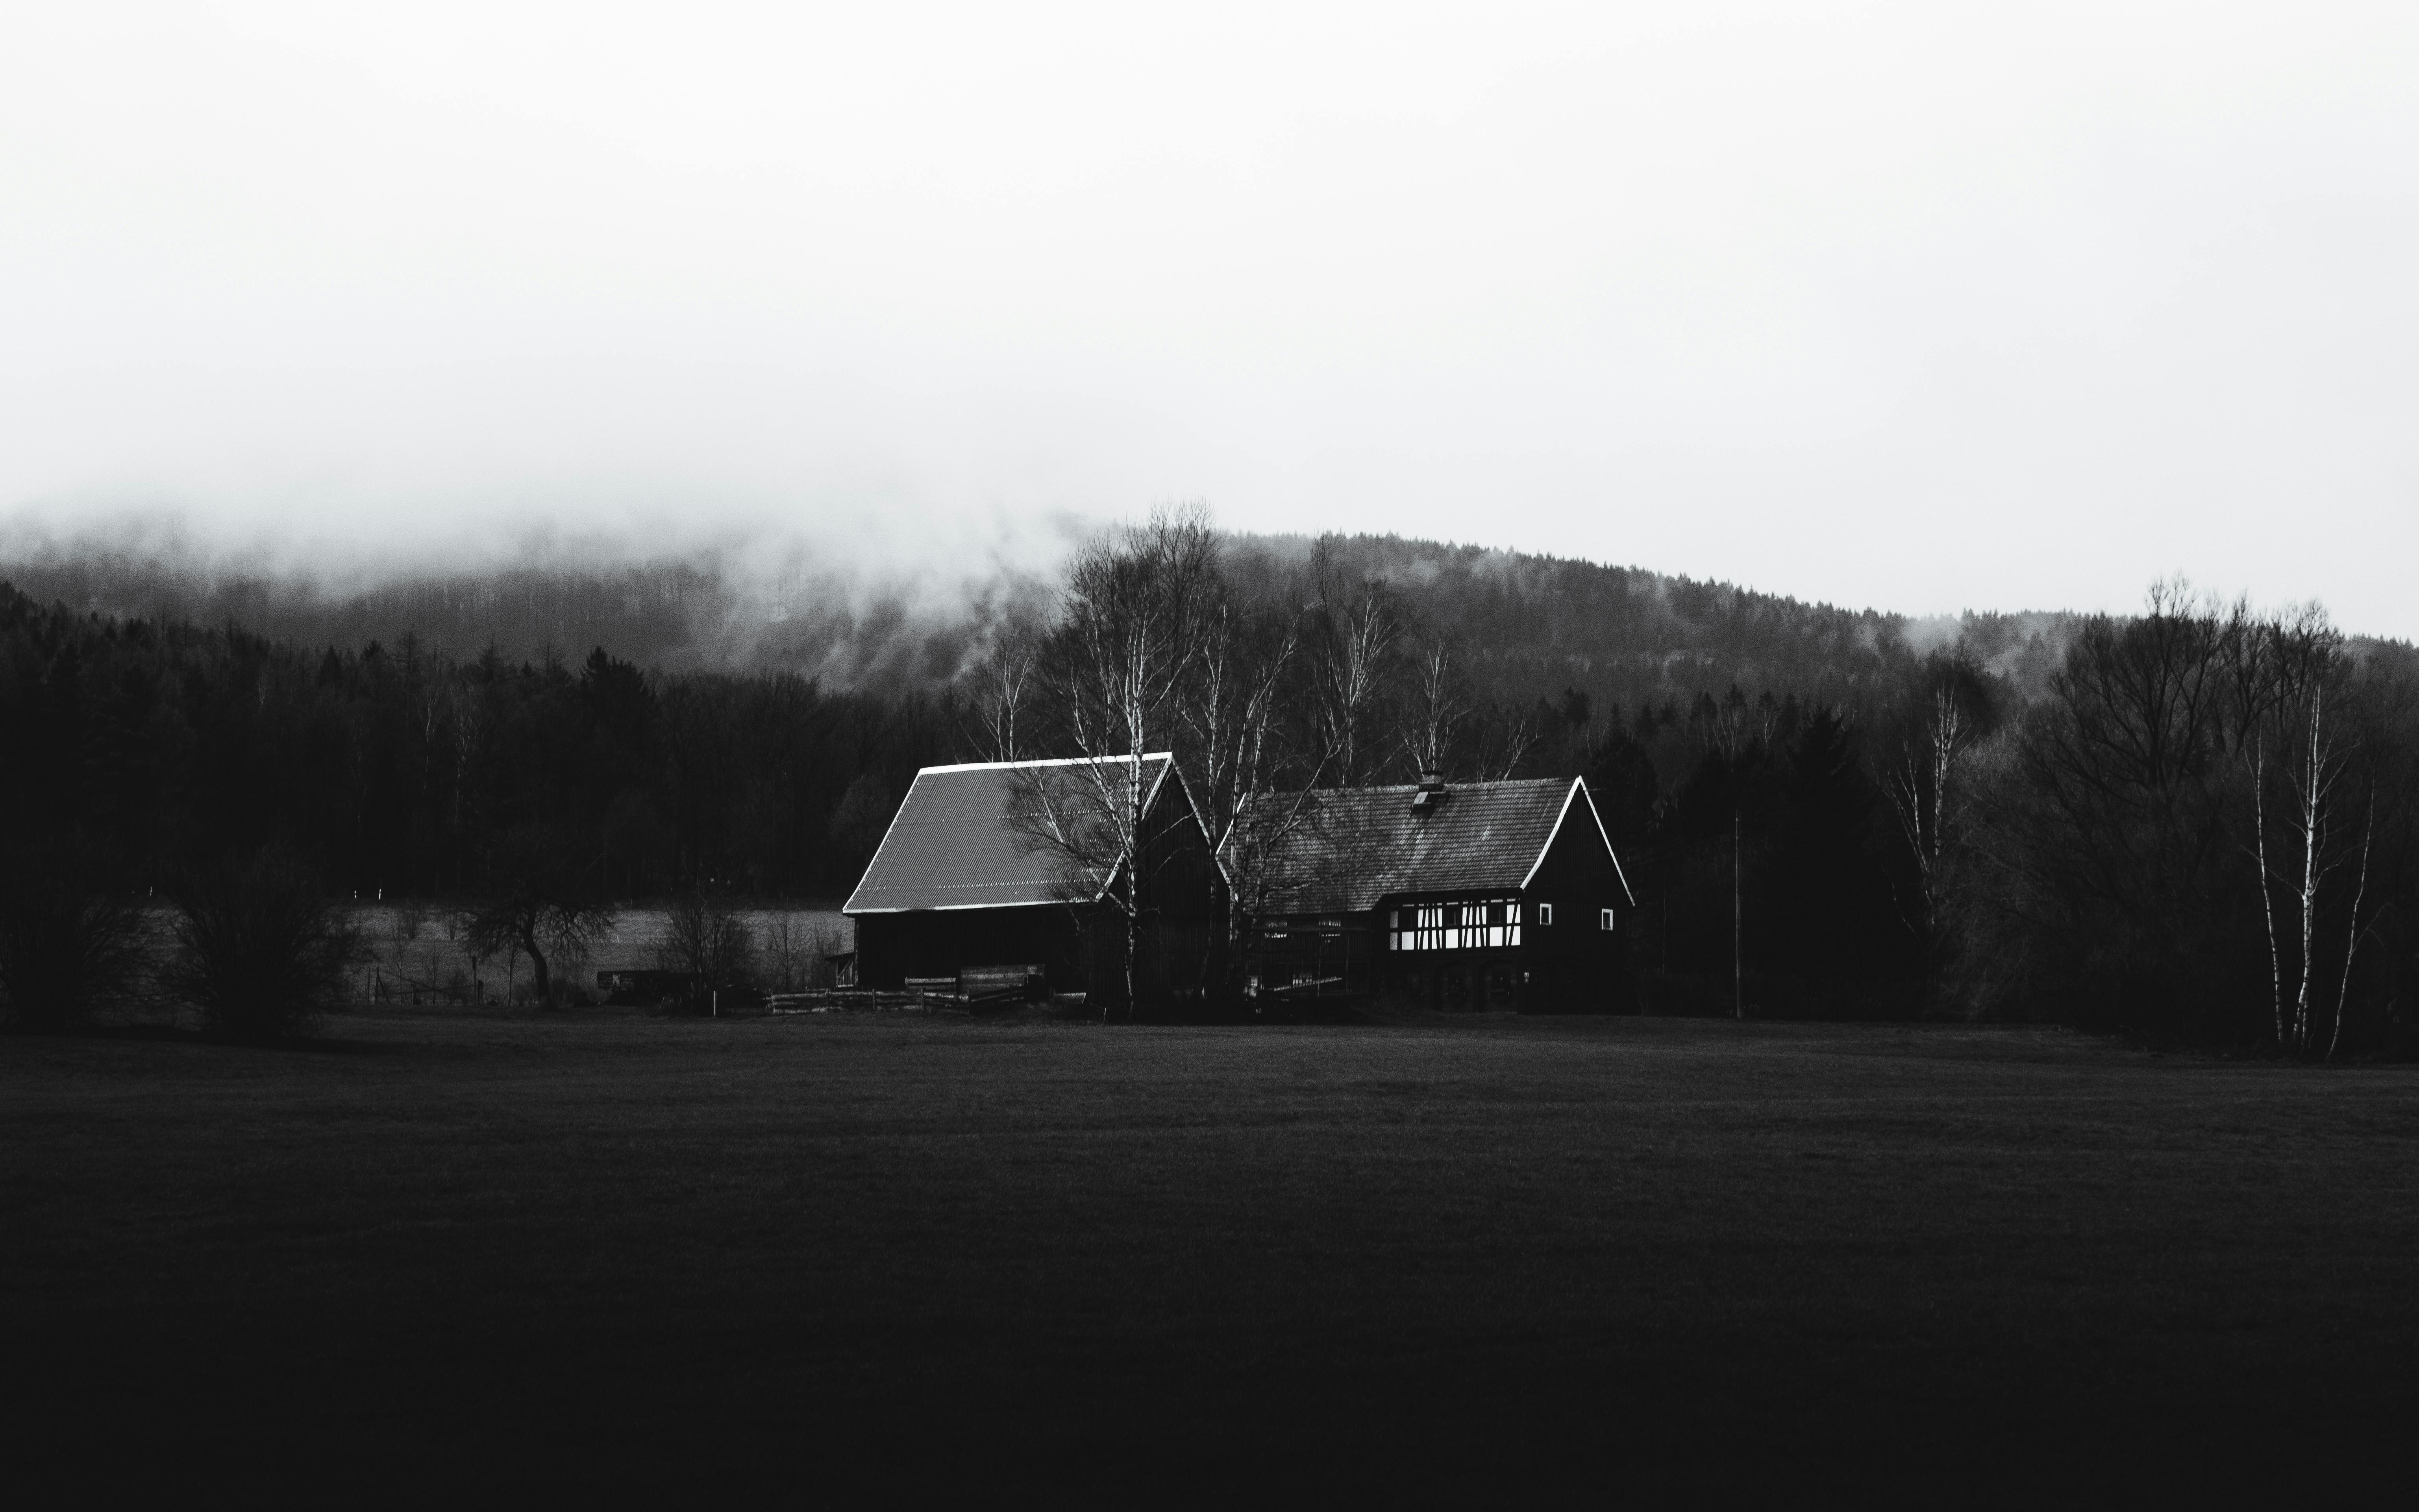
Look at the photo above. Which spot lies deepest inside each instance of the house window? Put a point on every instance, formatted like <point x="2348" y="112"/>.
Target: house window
<point x="1480" y="924"/>
<point x="1603" y="920"/>
<point x="1545" y="913"/>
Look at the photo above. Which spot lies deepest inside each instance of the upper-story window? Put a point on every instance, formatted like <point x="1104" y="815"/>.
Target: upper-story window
<point x="1480" y="924"/>
<point x="1545" y="913"/>
<point x="1604" y="918"/>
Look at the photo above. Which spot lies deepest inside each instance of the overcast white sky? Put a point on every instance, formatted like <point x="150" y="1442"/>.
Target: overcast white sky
<point x="1924" y="306"/>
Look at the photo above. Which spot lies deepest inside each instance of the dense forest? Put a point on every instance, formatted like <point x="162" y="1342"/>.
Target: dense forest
<point x="2194" y="821"/>
<point x="397" y="770"/>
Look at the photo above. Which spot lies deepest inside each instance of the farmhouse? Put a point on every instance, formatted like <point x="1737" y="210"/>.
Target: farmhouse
<point x="1473" y="896"/>
<point x="1013" y="871"/>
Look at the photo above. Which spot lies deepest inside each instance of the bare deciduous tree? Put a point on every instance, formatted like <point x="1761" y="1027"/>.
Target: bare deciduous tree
<point x="1001" y="689"/>
<point x="1235" y="740"/>
<point x="1355" y="627"/>
<point x="1437" y="709"/>
<point x="1926" y="786"/>
<point x="2291" y="680"/>
<point x="541" y="902"/>
<point x="1137" y="613"/>
<point x="2199" y="804"/>
<point x="706" y="937"/>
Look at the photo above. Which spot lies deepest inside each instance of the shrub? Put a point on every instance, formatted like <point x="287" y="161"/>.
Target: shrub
<point x="260" y="950"/>
<point x="706" y="937"/>
<point x="69" y="944"/>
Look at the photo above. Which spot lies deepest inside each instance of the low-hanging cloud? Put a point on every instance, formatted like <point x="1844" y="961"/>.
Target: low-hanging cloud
<point x="848" y="609"/>
<point x="1895" y="304"/>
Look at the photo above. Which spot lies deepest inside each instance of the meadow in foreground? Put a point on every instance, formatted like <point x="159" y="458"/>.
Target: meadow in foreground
<point x="903" y="1254"/>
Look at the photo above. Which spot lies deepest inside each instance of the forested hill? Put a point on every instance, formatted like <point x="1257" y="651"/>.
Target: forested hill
<point x="1536" y="624"/>
<point x="1532" y="625"/>
<point x="688" y="615"/>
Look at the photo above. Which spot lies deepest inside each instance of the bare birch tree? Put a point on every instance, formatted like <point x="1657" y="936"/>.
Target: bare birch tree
<point x="1926" y="787"/>
<point x="1002" y="686"/>
<point x="2205" y="785"/>
<point x="1438" y="710"/>
<point x="2304" y="765"/>
<point x="1136" y="615"/>
<point x="1253" y="785"/>
<point x="1355" y="627"/>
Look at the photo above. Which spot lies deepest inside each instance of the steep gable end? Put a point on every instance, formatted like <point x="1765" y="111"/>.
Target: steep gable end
<point x="1579" y="855"/>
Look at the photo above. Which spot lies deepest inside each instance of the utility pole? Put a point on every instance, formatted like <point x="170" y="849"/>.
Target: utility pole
<point x="1738" y="956"/>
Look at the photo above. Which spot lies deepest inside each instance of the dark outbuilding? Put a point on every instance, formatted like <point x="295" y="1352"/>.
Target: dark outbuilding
<point x="963" y="892"/>
<point x="1473" y="896"/>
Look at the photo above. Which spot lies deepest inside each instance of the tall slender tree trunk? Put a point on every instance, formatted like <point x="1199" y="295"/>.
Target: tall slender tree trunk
<point x="2351" y="930"/>
<point x="2267" y="891"/>
<point x="540" y="979"/>
<point x="1133" y="871"/>
<point x="2311" y="816"/>
<point x="1134" y="954"/>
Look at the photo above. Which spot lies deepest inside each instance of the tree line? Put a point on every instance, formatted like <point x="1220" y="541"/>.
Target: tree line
<point x="2191" y="822"/>
<point x="165" y="747"/>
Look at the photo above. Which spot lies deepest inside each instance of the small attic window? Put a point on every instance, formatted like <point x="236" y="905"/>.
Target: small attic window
<point x="1604" y="918"/>
<point x="1545" y="913"/>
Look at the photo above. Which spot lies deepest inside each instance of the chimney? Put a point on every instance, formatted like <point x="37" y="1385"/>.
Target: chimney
<point x="1430" y="796"/>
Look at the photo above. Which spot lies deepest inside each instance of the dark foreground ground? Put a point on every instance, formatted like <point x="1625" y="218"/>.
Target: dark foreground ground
<point x="629" y="1255"/>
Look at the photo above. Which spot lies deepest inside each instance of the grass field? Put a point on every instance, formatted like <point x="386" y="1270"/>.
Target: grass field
<point x="591" y="1252"/>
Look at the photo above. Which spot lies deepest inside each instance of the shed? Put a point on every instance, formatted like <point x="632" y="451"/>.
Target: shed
<point x="967" y="886"/>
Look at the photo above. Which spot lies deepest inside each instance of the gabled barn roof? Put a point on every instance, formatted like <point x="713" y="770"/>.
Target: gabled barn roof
<point x="1354" y="846"/>
<point x="952" y="844"/>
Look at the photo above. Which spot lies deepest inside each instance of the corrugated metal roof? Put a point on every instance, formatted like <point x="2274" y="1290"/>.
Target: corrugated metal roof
<point x="952" y="843"/>
<point x="1357" y="845"/>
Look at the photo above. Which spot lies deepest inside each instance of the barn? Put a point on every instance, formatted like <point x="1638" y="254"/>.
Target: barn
<point x="1474" y="895"/>
<point x="968" y="889"/>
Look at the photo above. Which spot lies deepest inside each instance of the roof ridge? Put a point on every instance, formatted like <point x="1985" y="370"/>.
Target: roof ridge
<point x="1483" y="782"/>
<point x="1047" y="760"/>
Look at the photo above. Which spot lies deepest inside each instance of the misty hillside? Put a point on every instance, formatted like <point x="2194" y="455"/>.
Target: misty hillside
<point x="690" y="615"/>
<point x="1532" y="624"/>
<point x="1538" y="625"/>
